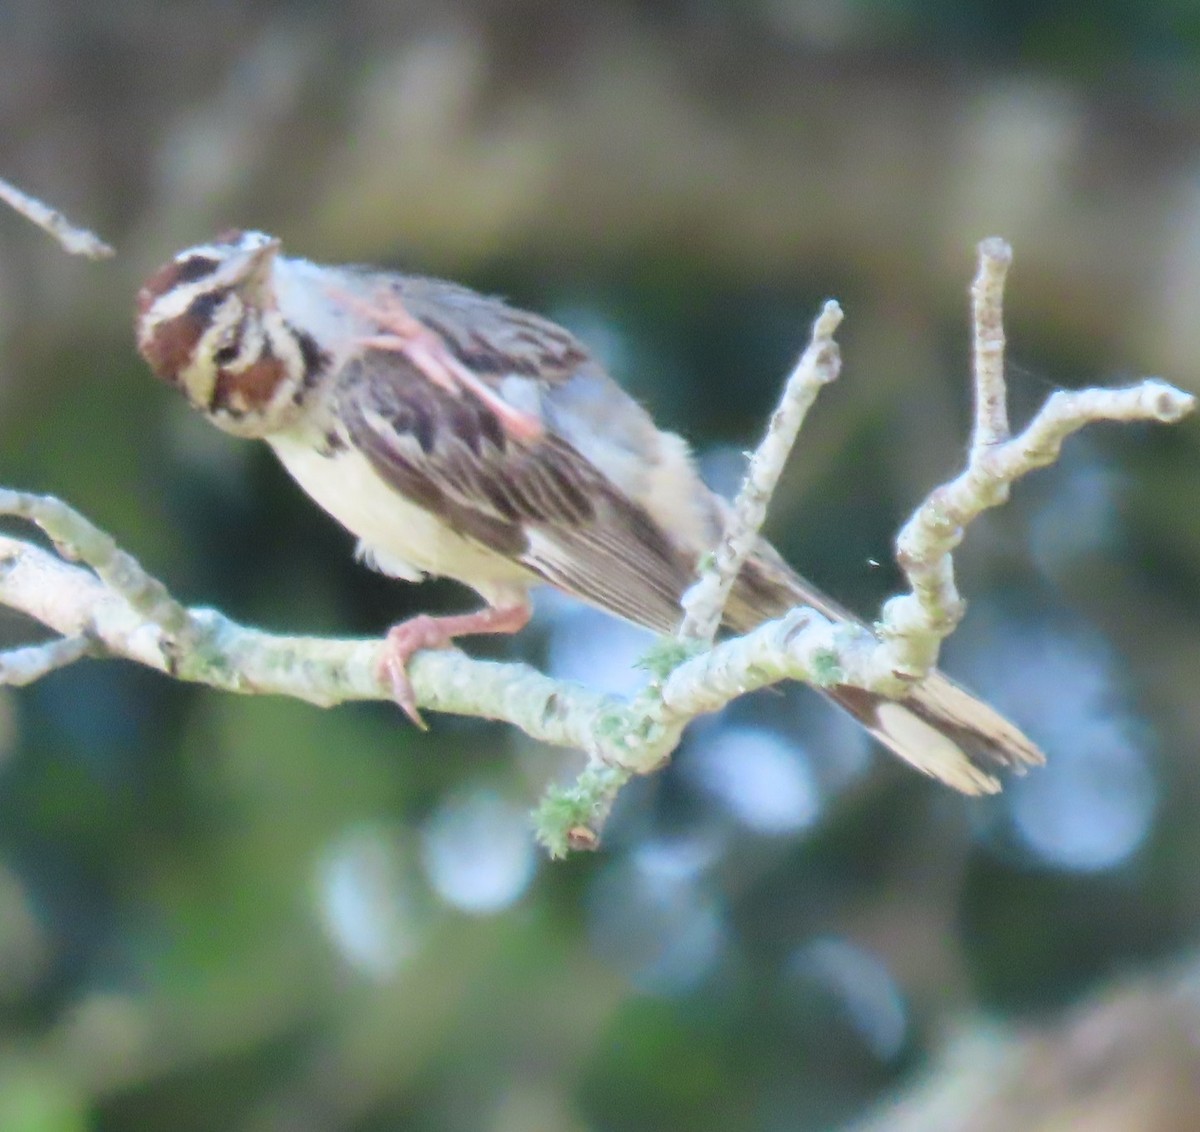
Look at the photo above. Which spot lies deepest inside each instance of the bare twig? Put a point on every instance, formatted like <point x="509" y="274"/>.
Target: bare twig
<point x="913" y="625"/>
<point x="25" y="665"/>
<point x="987" y="310"/>
<point x="76" y="241"/>
<point x="820" y="364"/>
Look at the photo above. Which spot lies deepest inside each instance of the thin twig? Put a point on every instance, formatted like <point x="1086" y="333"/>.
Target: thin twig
<point x="22" y="666"/>
<point x="913" y="625"/>
<point x="987" y="311"/>
<point x="704" y="603"/>
<point x="75" y="240"/>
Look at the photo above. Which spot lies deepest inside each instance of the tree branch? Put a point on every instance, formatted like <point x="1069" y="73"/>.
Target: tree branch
<point x="75" y="240"/>
<point x="820" y="364"/>
<point x="914" y="624"/>
<point x="102" y="602"/>
<point x="987" y="298"/>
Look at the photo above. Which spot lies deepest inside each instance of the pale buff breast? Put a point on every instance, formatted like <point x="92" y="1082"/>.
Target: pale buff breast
<point x="403" y="539"/>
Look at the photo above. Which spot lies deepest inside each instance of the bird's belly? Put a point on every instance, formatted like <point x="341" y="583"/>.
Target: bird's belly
<point x="405" y="539"/>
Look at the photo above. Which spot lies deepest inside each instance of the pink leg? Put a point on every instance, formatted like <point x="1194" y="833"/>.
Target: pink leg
<point x="426" y="632"/>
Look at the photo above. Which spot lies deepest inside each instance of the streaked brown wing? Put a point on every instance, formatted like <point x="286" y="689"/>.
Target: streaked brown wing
<point x="538" y="502"/>
<point x="491" y="338"/>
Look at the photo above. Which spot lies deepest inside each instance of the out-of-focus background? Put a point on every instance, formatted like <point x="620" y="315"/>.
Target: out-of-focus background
<point x="249" y="914"/>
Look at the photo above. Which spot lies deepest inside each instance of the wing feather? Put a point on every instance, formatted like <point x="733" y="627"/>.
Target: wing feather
<point x="538" y="502"/>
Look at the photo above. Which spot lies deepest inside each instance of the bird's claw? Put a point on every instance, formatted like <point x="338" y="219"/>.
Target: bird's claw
<point x="426" y="632"/>
<point x="402" y="642"/>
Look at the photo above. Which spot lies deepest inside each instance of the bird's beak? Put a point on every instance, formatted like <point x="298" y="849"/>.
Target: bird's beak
<point x="251" y="273"/>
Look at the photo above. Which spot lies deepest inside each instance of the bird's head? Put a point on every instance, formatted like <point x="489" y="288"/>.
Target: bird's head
<point x="208" y="322"/>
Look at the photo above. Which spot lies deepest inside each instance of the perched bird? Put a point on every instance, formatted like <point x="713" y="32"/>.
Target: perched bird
<point x="457" y="436"/>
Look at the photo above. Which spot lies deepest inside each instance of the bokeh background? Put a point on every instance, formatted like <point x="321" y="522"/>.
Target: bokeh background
<point x="249" y="914"/>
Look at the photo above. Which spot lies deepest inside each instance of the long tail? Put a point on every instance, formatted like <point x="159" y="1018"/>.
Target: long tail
<point x="939" y="727"/>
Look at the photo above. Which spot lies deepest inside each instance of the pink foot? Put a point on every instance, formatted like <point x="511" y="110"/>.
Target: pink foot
<point x="426" y="632"/>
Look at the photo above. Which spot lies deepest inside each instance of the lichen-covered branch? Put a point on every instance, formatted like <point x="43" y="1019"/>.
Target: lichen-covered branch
<point x="100" y="601"/>
<point x="820" y="364"/>
<point x="913" y="625"/>
<point x="77" y="538"/>
<point x="73" y="601"/>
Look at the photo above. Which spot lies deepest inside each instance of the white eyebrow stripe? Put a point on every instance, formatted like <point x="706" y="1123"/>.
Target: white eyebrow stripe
<point x="248" y="242"/>
<point x="251" y="339"/>
<point x="282" y="338"/>
<point x="176" y="300"/>
<point x="229" y="259"/>
<point x="223" y="322"/>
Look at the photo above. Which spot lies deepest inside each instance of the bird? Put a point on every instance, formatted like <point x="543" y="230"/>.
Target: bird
<point x="455" y="435"/>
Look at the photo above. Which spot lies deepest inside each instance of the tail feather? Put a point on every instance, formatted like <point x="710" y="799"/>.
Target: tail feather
<point x="939" y="728"/>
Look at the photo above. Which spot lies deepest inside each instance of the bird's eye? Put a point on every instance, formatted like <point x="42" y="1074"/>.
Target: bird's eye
<point x="226" y="353"/>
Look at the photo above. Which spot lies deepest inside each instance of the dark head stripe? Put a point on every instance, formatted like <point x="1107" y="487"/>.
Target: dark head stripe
<point x="196" y="267"/>
<point x="314" y="358"/>
<point x="171" y="275"/>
